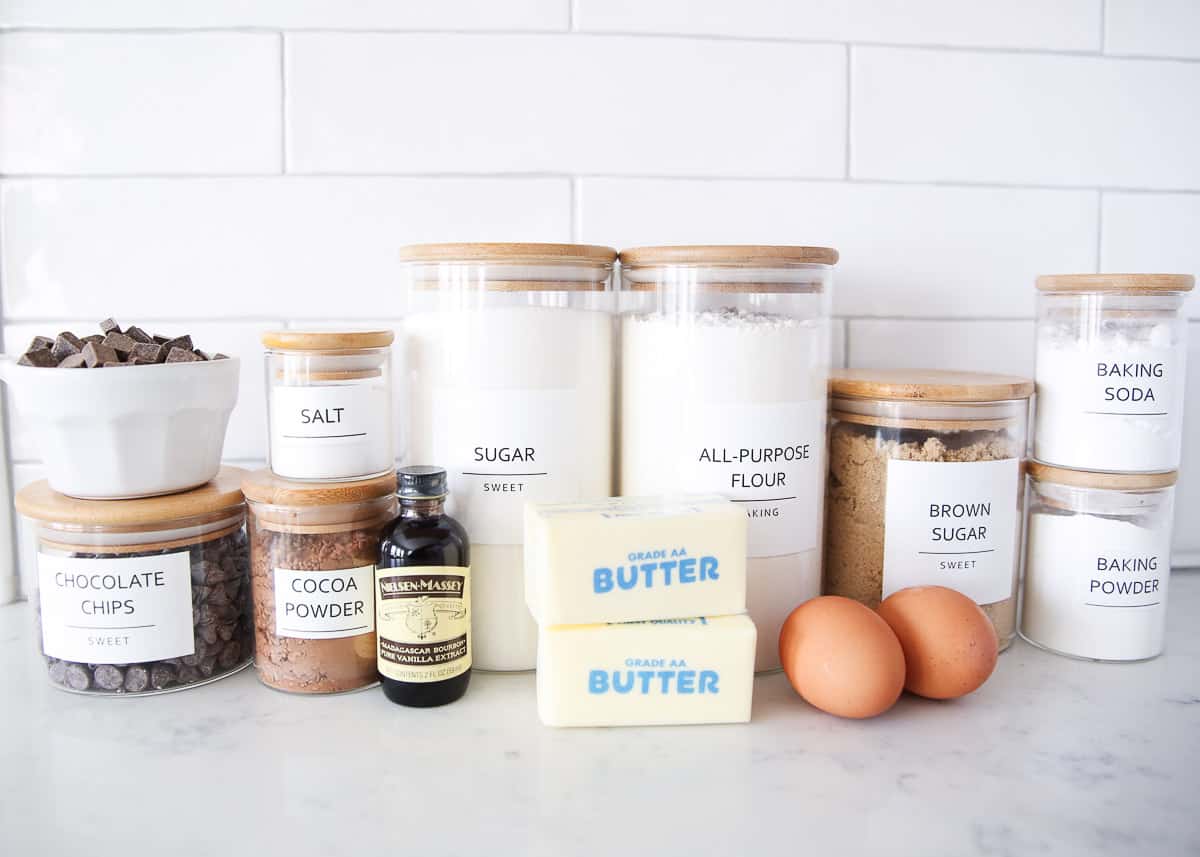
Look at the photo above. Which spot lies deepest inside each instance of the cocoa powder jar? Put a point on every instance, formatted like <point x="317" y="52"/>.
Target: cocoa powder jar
<point x="313" y="548"/>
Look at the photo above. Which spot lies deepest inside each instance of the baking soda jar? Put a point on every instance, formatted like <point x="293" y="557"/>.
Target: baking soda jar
<point x="1111" y="357"/>
<point x="1097" y="562"/>
<point x="724" y="365"/>
<point x="509" y="349"/>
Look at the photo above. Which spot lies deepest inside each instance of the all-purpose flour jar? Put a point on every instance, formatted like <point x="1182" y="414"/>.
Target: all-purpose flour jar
<point x="724" y="366"/>
<point x="1111" y="355"/>
<point x="1097" y="562"/>
<point x="509" y="349"/>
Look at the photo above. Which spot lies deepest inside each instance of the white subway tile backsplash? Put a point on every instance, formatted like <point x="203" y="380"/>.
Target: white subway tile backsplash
<point x="420" y="104"/>
<point x="1187" y="493"/>
<point x="1006" y="347"/>
<point x="290" y="14"/>
<point x="1153" y="232"/>
<point x="1072" y="25"/>
<point x="103" y="103"/>
<point x="924" y="115"/>
<point x="246" y="436"/>
<point x="1165" y="28"/>
<point x="905" y="250"/>
<point x="301" y="247"/>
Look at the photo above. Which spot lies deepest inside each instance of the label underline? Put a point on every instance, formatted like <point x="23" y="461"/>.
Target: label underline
<point x="1128" y="413"/>
<point x="477" y="473"/>
<point x="110" y="627"/>
<point x="330" y="631"/>
<point x="954" y="553"/>
<point x="321" y="436"/>
<point x="763" y="500"/>
<point x="1094" y="604"/>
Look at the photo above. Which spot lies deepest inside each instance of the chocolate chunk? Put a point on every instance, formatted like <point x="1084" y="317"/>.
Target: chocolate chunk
<point x="71" y="338"/>
<point x="137" y="678"/>
<point x="138" y="335"/>
<point x="148" y="352"/>
<point x="161" y="340"/>
<point x="73" y="361"/>
<point x="39" y="357"/>
<point x="220" y="356"/>
<point x="77" y="677"/>
<point x="161" y="675"/>
<point x="97" y="354"/>
<point x="184" y="342"/>
<point x="92" y="337"/>
<point x="40" y="342"/>
<point x="203" y="355"/>
<point x="110" y="326"/>
<point x="182" y="355"/>
<point x="108" y="677"/>
<point x="64" y="347"/>
<point x="120" y="343"/>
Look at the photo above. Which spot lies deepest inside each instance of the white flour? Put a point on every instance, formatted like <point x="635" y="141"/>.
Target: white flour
<point x="516" y="404"/>
<point x="1111" y="403"/>
<point x="735" y="402"/>
<point x="1095" y="587"/>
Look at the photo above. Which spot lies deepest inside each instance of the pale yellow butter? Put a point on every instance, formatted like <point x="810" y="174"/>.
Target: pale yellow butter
<point x="630" y="558"/>
<point x="667" y="671"/>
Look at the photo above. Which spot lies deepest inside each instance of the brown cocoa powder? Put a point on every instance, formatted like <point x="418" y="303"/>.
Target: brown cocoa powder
<point x="306" y="665"/>
<point x="856" y="502"/>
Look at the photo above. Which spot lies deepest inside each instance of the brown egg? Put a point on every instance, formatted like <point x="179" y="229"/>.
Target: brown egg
<point x="950" y="646"/>
<point x="841" y="657"/>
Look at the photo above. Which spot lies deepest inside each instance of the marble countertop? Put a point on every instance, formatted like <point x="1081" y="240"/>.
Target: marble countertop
<point x="1052" y="756"/>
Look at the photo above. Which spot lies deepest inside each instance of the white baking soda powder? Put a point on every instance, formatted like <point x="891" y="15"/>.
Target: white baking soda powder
<point x="1095" y="587"/>
<point x="734" y="402"/>
<point x="516" y="403"/>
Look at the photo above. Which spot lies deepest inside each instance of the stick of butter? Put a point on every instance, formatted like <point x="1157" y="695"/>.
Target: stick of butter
<point x="630" y="558"/>
<point x="696" y="670"/>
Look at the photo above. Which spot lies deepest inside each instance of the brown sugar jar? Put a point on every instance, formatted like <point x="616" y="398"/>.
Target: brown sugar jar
<point x="312" y="569"/>
<point x="925" y="486"/>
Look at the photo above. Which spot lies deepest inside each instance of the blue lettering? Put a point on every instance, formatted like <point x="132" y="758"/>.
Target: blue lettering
<point x="708" y="681"/>
<point x="687" y="570"/>
<point x="631" y="581"/>
<point x="708" y="568"/>
<point x="666" y="676"/>
<point x="625" y="688"/>
<point x="667" y="567"/>
<point x="687" y="681"/>
<point x="602" y="580"/>
<point x="646" y="676"/>
<point x="597" y="681"/>
<point x="648" y="568"/>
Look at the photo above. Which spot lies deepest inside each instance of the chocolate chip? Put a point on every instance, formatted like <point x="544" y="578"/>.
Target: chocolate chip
<point x="58" y="671"/>
<point x="182" y="355"/>
<point x="137" y="678"/>
<point x="98" y="354"/>
<point x="162" y="675"/>
<point x="184" y="342"/>
<point x="108" y="677"/>
<point x="40" y="342"/>
<point x="74" y="361"/>
<point x="120" y="343"/>
<point x="64" y="347"/>
<point x="109" y="326"/>
<point x="38" y="357"/>
<point x="77" y="677"/>
<point x="138" y="335"/>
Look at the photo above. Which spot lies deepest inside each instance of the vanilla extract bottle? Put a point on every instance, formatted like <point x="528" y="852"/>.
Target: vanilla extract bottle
<point x="423" y="596"/>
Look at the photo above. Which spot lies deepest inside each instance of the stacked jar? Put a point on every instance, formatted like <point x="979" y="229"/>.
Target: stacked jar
<point x="724" y="365"/>
<point x="509" y="349"/>
<point x="318" y="512"/>
<point x="1111" y="358"/>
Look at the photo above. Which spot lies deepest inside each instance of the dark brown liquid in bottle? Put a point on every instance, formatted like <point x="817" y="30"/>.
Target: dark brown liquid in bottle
<point x="424" y="535"/>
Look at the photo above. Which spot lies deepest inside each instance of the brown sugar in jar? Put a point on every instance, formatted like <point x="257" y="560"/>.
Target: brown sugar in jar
<point x="925" y="486"/>
<point x="313" y="548"/>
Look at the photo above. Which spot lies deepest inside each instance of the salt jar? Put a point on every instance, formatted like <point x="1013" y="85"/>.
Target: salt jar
<point x="925" y="486"/>
<point x="1111" y="357"/>
<point x="142" y="596"/>
<point x="509" y="349"/>
<point x="1098" y="559"/>
<point x="725" y="354"/>
<point x="329" y="403"/>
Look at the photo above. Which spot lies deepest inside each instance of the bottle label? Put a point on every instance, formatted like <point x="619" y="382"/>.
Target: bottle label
<point x="116" y="610"/>
<point x="952" y="524"/>
<point x="331" y="432"/>
<point x="423" y="616"/>
<point x="324" y="605"/>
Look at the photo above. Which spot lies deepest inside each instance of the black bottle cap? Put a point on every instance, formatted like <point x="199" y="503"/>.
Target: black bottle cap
<point x="421" y="481"/>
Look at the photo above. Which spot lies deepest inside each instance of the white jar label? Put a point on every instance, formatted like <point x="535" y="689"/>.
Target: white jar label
<point x="952" y="524"/>
<point x="503" y="449"/>
<point x="1110" y="409"/>
<point x="768" y="458"/>
<point x="331" y="432"/>
<point x="116" y="610"/>
<point x="1096" y="587"/>
<point x="324" y="605"/>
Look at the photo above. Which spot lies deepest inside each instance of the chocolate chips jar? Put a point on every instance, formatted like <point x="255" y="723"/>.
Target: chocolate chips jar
<point x="142" y="596"/>
<point x="313" y="548"/>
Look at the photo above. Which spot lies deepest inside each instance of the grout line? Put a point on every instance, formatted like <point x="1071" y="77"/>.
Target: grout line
<point x="572" y="15"/>
<point x="624" y="34"/>
<point x="849" y="105"/>
<point x="1099" y="231"/>
<point x="845" y="322"/>
<point x="576" y="218"/>
<point x="1103" y="26"/>
<point x="283" y="105"/>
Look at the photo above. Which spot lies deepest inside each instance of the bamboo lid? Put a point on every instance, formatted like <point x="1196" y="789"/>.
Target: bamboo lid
<point x="502" y="253"/>
<point x="222" y="494"/>
<point x="1117" y="283"/>
<point x="932" y="385"/>
<point x="1100" y="479"/>
<point x="326" y="340"/>
<point x="263" y="486"/>
<point x="729" y="255"/>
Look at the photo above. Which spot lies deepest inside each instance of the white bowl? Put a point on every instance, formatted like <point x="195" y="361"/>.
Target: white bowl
<point x="129" y="431"/>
